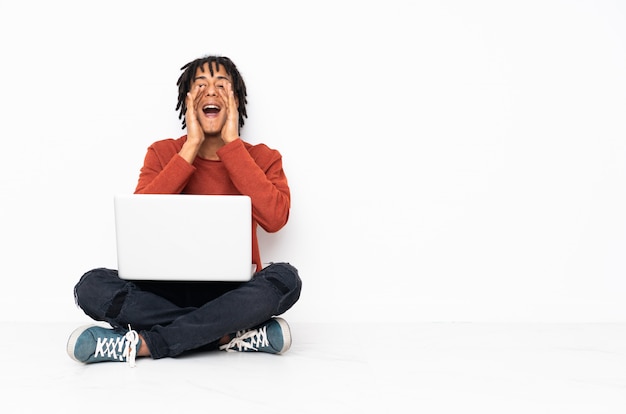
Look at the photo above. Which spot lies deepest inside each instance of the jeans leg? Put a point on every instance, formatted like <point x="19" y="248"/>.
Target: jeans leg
<point x="103" y="296"/>
<point x="272" y="291"/>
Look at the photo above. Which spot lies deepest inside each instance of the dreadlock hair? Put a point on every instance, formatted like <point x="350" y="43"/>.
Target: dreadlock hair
<point x="186" y="79"/>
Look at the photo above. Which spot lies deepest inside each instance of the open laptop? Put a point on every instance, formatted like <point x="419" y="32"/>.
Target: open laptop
<point x="179" y="237"/>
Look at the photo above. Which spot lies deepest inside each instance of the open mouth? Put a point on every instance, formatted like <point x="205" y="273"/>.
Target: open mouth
<point x="210" y="109"/>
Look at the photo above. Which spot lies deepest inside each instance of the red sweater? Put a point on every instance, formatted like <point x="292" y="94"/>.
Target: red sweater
<point x="252" y="170"/>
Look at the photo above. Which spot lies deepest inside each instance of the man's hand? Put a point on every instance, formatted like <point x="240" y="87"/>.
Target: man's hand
<point x="195" y="135"/>
<point x="194" y="130"/>
<point x="230" y="131"/>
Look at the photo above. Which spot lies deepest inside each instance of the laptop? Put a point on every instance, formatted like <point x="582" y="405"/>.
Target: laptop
<point x="177" y="237"/>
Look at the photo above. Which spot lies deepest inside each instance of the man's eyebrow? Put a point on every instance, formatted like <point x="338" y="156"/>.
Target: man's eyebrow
<point x="205" y="77"/>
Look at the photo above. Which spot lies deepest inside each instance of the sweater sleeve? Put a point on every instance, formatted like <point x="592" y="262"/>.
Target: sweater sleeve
<point x="262" y="179"/>
<point x="163" y="173"/>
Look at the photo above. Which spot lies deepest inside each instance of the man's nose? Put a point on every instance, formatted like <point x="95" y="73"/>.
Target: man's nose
<point x="211" y="90"/>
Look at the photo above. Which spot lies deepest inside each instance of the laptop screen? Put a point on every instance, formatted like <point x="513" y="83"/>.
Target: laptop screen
<point x="184" y="237"/>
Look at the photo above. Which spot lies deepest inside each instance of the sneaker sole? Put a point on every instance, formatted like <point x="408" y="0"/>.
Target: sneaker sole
<point x="286" y="335"/>
<point x="71" y="342"/>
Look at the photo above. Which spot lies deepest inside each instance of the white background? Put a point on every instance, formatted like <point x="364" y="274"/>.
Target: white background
<point x="449" y="160"/>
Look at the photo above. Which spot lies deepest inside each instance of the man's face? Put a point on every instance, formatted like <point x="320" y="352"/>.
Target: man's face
<point x="211" y="108"/>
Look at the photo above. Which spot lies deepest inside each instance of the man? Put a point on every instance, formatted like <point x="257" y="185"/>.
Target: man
<point x="166" y="319"/>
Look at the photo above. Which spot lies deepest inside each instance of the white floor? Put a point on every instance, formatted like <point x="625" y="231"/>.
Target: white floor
<point x="336" y="368"/>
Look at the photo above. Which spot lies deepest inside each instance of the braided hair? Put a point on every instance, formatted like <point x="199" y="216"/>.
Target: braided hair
<point x="186" y="79"/>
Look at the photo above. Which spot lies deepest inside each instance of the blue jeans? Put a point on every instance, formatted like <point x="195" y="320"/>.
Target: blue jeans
<point x="175" y="317"/>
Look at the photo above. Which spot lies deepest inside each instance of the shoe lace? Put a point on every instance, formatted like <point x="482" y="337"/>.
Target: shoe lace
<point x="249" y="340"/>
<point x="121" y="347"/>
